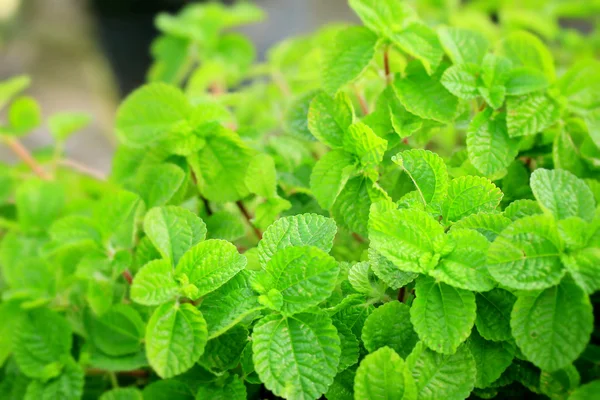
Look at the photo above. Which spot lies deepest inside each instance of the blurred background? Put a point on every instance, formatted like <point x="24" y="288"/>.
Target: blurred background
<point x="85" y="55"/>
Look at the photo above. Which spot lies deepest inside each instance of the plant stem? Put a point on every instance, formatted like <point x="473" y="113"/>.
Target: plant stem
<point x="84" y="169"/>
<point x="248" y="218"/>
<point x="25" y="155"/>
<point x="113" y="379"/>
<point x="128" y="277"/>
<point x="207" y="208"/>
<point x="358" y="238"/>
<point x="281" y="83"/>
<point x="361" y="100"/>
<point x="386" y="66"/>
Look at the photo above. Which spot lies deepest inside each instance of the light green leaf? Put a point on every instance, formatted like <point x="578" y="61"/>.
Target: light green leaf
<point x="63" y="125"/>
<point x="493" y="314"/>
<point x="465" y="266"/>
<point x="442" y="315"/>
<point x="385" y="16"/>
<point x="562" y="194"/>
<point x="329" y="176"/>
<point x="42" y="342"/>
<point x="10" y="317"/>
<point x="68" y="385"/>
<point x="39" y="203"/>
<point x="349" y="345"/>
<point x="530" y="114"/>
<point x="115" y="215"/>
<point x="122" y="394"/>
<point x="526" y="255"/>
<point x="225" y="225"/>
<point x="304" y="276"/>
<point x="389" y="325"/>
<point x="118" y="332"/>
<point x="74" y="229"/>
<point x="150" y="113"/>
<point x="159" y="183"/>
<point x="224" y="352"/>
<point x="421" y="42"/>
<point x="261" y="176"/>
<point x="173" y="231"/>
<point x="587" y="391"/>
<point x="405" y="237"/>
<point x="361" y="141"/>
<point x="428" y="172"/>
<point x="494" y="73"/>
<point x="210" y="264"/>
<point x="425" y="96"/>
<point x="490" y="148"/>
<point x="584" y="266"/>
<point x="441" y="376"/>
<point x="347" y="57"/>
<point x="580" y="85"/>
<point x="175" y="338"/>
<point x="567" y="148"/>
<point x="24" y="115"/>
<point x="462" y="80"/>
<point x="560" y="383"/>
<point x="168" y="389"/>
<point x="491" y="358"/>
<point x="525" y="80"/>
<point x="296" y="117"/>
<point x="552" y="327"/>
<point x="470" y="195"/>
<point x="522" y="208"/>
<point x="296" y="357"/>
<point x="298" y="230"/>
<point x="462" y="45"/>
<point x="388" y="272"/>
<point x="154" y="284"/>
<point x="329" y="118"/>
<point x="489" y="225"/>
<point x="233" y="389"/>
<point x="383" y="375"/>
<point x="12" y="87"/>
<point x="267" y="212"/>
<point x="221" y="166"/>
<point x="525" y="49"/>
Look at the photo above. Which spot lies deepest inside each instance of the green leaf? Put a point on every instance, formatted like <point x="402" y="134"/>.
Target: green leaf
<point x="118" y="332"/>
<point x="522" y="208"/>
<point x="12" y="87"/>
<point x="68" y="385"/>
<point x="221" y="166"/>
<point x="405" y="237"/>
<point x="329" y="176"/>
<point x="470" y="195"/>
<point x="587" y="391"/>
<point x="526" y="255"/>
<point x="584" y="266"/>
<point x="530" y="114"/>
<point x="525" y="80"/>
<point x="349" y="345"/>
<point x="62" y="125"/>
<point x="175" y="338"/>
<point x="383" y="17"/>
<point x="388" y="272"/>
<point x="553" y="326"/>
<point x="342" y="387"/>
<point x="9" y="315"/>
<point x="154" y="284"/>
<point x="494" y="73"/>
<point x="491" y="150"/>
<point x="304" y="276"/>
<point x="42" y="341"/>
<point x="489" y="225"/>
<point x="261" y="177"/>
<point x="210" y="264"/>
<point x="525" y="49"/>
<point x="389" y="325"/>
<point x="39" y="203"/>
<point x="442" y="315"/>
<point x="24" y="115"/>
<point x="463" y="45"/>
<point x="233" y="389"/>
<point x="347" y="57"/>
<point x="74" y="229"/>
<point x="173" y="231"/>
<point x="296" y="117"/>
<point x="230" y="304"/>
<point x="115" y="215"/>
<point x="383" y="375"/>
<point x="441" y="376"/>
<point x="150" y="113"/>
<point x="491" y="358"/>
<point x="224" y="352"/>
<point x="361" y="141"/>
<point x="168" y="389"/>
<point x="462" y="80"/>
<point x="421" y="42"/>
<point x="425" y="96"/>
<point x="558" y="384"/>
<point x="298" y="230"/>
<point x="493" y="314"/>
<point x="122" y="394"/>
<point x="225" y="225"/>
<point x="580" y="85"/>
<point x="428" y="172"/>
<point x="562" y="194"/>
<point x="465" y="266"/>
<point x="159" y="183"/>
<point x="296" y="357"/>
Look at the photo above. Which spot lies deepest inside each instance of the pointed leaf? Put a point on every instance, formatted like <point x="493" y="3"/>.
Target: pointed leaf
<point x="421" y="42"/>
<point x="389" y="325"/>
<point x="530" y="114"/>
<point x="428" y="172"/>
<point x="154" y="284"/>
<point x="329" y="176"/>
<point x="493" y="314"/>
<point x="329" y="118"/>
<point x="462" y="45"/>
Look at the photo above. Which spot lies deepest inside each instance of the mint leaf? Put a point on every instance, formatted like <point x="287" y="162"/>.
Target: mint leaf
<point x="175" y="338"/>
<point x="361" y="141"/>
<point x="553" y="326"/>
<point x="209" y="265"/>
<point x="68" y="385"/>
<point x="489" y="225"/>
<point x="383" y="375"/>
<point x="261" y="178"/>
<point x="159" y="183"/>
<point x="330" y="175"/>
<point x="223" y="352"/>
<point x="118" y="332"/>
<point x="63" y="125"/>
<point x="420" y="42"/>
<point x="583" y="266"/>
<point x="122" y="394"/>
<point x="11" y="87"/>
<point x="383" y="17"/>
<point x="24" y="115"/>
<point x="388" y="272"/>
<point x="586" y="391"/>
<point x="525" y="49"/>
<point x="491" y="358"/>
<point x="298" y="230"/>
<point x="349" y="345"/>
<point x="303" y="276"/>
<point x="525" y="80"/>
<point x="493" y="314"/>
<point x="233" y="389"/>
<point x="428" y="172"/>
<point x="154" y="284"/>
<point x="562" y="194"/>
<point x="296" y="357"/>
<point x="389" y="325"/>
<point x="494" y="73"/>
<point x="39" y="203"/>
<point x="442" y="315"/>
<point x="530" y="114"/>
<point x="526" y="255"/>
<point x="470" y="195"/>
<point x="462" y="80"/>
<point x="462" y="45"/>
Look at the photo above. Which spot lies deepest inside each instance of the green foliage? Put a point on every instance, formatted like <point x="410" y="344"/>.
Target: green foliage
<point x="402" y="210"/>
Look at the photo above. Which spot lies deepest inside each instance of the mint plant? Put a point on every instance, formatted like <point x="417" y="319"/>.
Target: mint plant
<point x="403" y="209"/>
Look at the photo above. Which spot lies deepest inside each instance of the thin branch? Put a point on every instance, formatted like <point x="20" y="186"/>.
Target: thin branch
<point x="361" y="100"/>
<point x="248" y="218"/>
<point x="84" y="169"/>
<point x="25" y="155"/>
<point x="281" y="83"/>
<point x="386" y="66"/>
<point x="128" y="277"/>
<point x="358" y="238"/>
<point x="137" y="373"/>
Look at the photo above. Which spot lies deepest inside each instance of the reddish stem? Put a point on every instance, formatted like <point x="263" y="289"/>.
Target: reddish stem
<point x="386" y="66"/>
<point x="248" y="218"/>
<point x="25" y="155"/>
<point x="128" y="277"/>
<point x="361" y="100"/>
